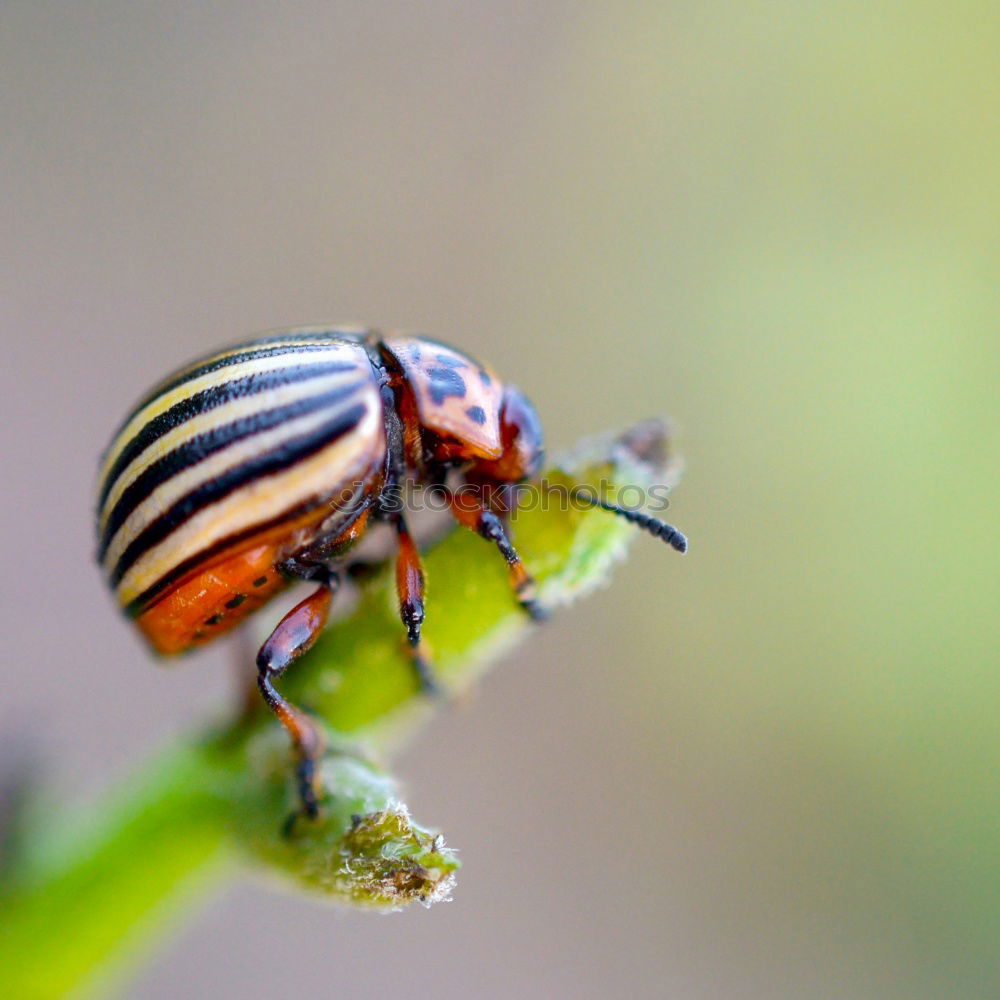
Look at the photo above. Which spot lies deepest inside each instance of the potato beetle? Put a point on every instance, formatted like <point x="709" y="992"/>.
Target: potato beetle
<point x="266" y="462"/>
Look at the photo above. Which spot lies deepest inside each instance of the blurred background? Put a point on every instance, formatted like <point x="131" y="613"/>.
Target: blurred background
<point x="765" y="770"/>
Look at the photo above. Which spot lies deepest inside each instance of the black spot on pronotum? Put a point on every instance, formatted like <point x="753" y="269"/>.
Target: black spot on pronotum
<point x="214" y="620"/>
<point x="445" y="382"/>
<point x="485" y="377"/>
<point x="260" y="581"/>
<point x="236" y="601"/>
<point x="476" y="414"/>
<point x="450" y="360"/>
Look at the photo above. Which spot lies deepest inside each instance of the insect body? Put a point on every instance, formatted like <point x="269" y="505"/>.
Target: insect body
<point x="266" y="462"/>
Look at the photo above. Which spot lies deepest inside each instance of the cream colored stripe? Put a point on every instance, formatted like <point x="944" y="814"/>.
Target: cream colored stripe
<point x="336" y="352"/>
<point x="218" y="417"/>
<point x="168" y="493"/>
<point x="258" y="502"/>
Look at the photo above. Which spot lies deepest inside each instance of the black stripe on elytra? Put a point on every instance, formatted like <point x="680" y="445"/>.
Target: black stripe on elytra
<point x="208" y="399"/>
<point x="196" y="449"/>
<point x="302" y="343"/>
<point x="181" y="570"/>
<point x="265" y="464"/>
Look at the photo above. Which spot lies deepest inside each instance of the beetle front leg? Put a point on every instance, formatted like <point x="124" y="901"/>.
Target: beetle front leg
<point x="293" y="636"/>
<point x="474" y="512"/>
<point x="410" y="586"/>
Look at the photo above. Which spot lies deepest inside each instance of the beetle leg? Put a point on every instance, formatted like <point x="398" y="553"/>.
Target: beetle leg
<point x="474" y="513"/>
<point x="292" y="636"/>
<point x="410" y="587"/>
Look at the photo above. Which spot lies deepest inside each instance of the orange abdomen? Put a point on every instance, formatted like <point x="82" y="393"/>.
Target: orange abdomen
<point x="215" y="601"/>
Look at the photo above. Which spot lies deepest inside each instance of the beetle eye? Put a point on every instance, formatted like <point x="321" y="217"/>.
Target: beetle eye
<point x="522" y="432"/>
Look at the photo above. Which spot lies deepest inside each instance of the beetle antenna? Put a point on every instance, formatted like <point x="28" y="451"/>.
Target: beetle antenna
<point x="657" y="528"/>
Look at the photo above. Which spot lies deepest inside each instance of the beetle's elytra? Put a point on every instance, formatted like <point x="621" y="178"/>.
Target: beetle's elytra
<point x="267" y="461"/>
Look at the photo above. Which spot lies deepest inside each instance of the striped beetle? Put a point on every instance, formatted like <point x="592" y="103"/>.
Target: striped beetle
<point x="266" y="462"/>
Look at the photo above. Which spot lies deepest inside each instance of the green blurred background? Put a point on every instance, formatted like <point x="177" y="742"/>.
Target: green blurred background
<point x="765" y="770"/>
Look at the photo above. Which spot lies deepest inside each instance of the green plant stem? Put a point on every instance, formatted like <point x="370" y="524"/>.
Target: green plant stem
<point x="160" y="835"/>
<point x="90" y="893"/>
<point x="173" y="832"/>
